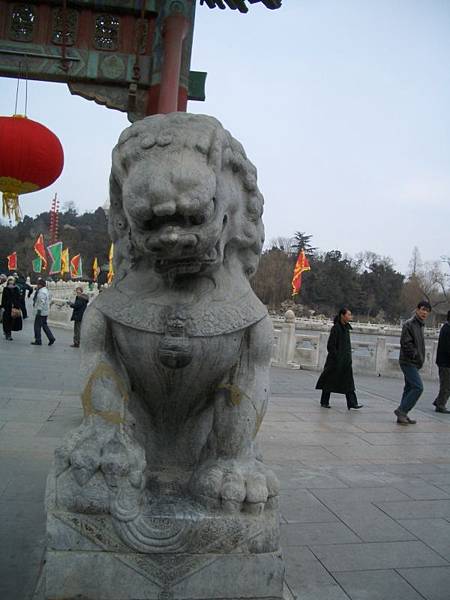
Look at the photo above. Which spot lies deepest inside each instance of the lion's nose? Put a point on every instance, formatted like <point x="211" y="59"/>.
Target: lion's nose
<point x="165" y="209"/>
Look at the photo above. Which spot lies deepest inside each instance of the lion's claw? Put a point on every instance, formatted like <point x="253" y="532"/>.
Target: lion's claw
<point x="113" y="453"/>
<point x="235" y="485"/>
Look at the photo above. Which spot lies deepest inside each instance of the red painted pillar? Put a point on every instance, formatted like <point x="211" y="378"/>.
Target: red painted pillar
<point x="174" y="32"/>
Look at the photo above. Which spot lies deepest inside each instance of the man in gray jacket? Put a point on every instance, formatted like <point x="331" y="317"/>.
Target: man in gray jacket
<point x="412" y="357"/>
<point x="41" y="305"/>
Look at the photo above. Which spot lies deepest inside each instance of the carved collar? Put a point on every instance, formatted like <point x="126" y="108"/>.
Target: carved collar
<point x="208" y="317"/>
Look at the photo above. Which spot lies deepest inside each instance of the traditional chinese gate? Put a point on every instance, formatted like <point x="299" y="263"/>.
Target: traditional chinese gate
<point x="131" y="55"/>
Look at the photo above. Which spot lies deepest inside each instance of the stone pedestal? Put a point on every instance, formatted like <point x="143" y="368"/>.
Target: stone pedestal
<point x="176" y="549"/>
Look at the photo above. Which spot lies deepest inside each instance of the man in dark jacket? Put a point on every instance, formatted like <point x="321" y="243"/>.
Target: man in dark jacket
<point x="79" y="306"/>
<point x="412" y="357"/>
<point x="443" y="363"/>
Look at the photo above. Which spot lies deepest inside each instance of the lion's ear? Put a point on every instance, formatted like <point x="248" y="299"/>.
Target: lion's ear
<point x="117" y="222"/>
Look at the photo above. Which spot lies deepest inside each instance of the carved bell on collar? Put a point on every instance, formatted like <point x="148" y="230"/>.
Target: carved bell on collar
<point x="175" y="349"/>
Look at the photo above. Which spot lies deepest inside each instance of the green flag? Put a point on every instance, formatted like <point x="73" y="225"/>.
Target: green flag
<point x="55" y="251"/>
<point x="37" y="265"/>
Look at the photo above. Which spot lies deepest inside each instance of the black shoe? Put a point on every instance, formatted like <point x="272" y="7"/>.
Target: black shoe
<point x="325" y="405"/>
<point x="36" y="343"/>
<point x="355" y="407"/>
<point x="51" y="342"/>
<point x="442" y="409"/>
<point x="9" y="339"/>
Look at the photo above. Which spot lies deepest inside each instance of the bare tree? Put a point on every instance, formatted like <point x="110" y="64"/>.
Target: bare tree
<point x="415" y="262"/>
<point x="430" y="283"/>
<point x="285" y="244"/>
<point x="438" y="282"/>
<point x="70" y="207"/>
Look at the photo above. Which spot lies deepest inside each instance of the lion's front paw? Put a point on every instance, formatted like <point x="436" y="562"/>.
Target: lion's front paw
<point x="236" y="485"/>
<point x="95" y="465"/>
<point x="114" y="454"/>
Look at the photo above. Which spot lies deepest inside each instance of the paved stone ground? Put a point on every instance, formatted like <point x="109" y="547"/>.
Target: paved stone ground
<point x="365" y="503"/>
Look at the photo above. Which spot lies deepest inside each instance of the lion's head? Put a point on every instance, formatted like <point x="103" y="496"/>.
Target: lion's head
<point x="184" y="194"/>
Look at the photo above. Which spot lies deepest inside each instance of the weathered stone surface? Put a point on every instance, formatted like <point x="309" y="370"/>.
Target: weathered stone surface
<point x="164" y="476"/>
<point x="119" y="576"/>
<point x="168" y="524"/>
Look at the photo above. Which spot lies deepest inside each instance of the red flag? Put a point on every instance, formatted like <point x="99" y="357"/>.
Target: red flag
<point x="76" y="268"/>
<point x="301" y="265"/>
<point x="39" y="248"/>
<point x="12" y="261"/>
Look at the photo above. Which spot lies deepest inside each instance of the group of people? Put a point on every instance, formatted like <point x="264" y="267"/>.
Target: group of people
<point x="337" y="375"/>
<point x="14" y="310"/>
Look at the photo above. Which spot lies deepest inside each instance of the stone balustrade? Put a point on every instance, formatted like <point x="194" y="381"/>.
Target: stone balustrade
<point x="65" y="290"/>
<point x="292" y="347"/>
<point x="62" y="292"/>
<point x="377" y="356"/>
<point x="317" y="324"/>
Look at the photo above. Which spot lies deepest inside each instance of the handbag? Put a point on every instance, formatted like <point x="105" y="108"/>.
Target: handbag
<point x="16" y="313"/>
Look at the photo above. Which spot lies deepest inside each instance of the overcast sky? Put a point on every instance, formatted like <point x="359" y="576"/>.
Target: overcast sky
<point x="343" y="106"/>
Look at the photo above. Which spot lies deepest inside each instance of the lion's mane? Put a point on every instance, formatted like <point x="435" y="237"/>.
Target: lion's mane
<point x="205" y="135"/>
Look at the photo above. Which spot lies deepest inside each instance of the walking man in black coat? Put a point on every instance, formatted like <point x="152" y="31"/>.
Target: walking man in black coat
<point x="443" y="363"/>
<point x="79" y="306"/>
<point x="337" y="374"/>
<point x="411" y="359"/>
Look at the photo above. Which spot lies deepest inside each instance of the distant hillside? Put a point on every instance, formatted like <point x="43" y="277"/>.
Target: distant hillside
<point x="85" y="234"/>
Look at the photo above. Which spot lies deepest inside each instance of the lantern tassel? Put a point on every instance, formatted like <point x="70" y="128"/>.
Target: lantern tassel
<point x="11" y="207"/>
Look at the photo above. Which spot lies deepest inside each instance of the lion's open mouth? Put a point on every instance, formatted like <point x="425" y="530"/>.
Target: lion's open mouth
<point x="181" y="266"/>
<point x="189" y="264"/>
<point x="176" y="220"/>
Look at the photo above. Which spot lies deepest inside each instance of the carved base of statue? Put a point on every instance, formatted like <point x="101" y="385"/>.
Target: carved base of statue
<point x="174" y="548"/>
<point x="162" y="492"/>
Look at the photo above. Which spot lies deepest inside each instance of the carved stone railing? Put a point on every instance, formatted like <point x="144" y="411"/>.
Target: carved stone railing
<point x="297" y="350"/>
<point x="62" y="292"/>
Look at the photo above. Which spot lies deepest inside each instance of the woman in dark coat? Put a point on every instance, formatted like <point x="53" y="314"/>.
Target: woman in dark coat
<point x="337" y="374"/>
<point x="10" y="300"/>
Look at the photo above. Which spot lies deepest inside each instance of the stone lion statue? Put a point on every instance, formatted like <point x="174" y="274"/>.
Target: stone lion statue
<point x="176" y="352"/>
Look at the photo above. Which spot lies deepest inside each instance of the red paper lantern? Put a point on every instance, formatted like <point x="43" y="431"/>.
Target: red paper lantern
<point x="31" y="158"/>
